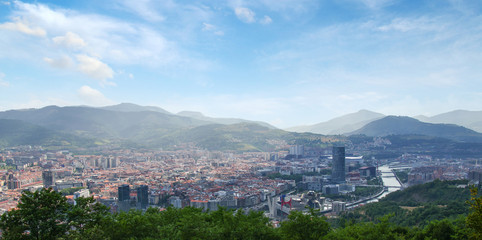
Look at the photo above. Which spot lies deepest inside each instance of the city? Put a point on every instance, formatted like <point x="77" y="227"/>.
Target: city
<point x="125" y="179"/>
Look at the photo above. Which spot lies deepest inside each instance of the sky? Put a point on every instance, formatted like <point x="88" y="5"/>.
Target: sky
<point x="285" y="62"/>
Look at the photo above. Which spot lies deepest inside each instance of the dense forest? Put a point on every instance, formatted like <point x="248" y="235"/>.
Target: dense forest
<point x="46" y="214"/>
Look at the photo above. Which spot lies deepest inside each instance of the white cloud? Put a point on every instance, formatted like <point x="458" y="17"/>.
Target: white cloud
<point x="24" y="28"/>
<point x="245" y="14"/>
<point x="113" y="40"/>
<point x="93" y="96"/>
<point x="145" y="8"/>
<point x="3" y="83"/>
<point x="211" y="28"/>
<point x="208" y="27"/>
<point x="95" y="69"/>
<point x="63" y="62"/>
<point x="409" y="24"/>
<point x="70" y="40"/>
<point x="266" y="20"/>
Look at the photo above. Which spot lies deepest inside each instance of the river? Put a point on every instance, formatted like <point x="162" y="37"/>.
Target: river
<point x="389" y="180"/>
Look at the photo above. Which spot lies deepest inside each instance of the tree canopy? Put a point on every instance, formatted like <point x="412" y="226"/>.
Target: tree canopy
<point x="46" y="214"/>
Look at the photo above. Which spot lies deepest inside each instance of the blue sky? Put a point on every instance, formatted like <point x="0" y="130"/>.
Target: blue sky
<point x="286" y="62"/>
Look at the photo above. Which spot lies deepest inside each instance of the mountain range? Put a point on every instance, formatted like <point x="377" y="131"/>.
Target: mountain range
<point x="351" y="122"/>
<point x="400" y="125"/>
<point x="132" y="125"/>
<point x="468" y="119"/>
<point x="16" y="132"/>
<point x="340" y="125"/>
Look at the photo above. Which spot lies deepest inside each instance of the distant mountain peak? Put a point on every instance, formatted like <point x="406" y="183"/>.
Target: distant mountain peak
<point x="365" y="111"/>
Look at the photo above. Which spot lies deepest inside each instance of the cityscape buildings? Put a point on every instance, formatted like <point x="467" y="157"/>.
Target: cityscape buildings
<point x="211" y="179"/>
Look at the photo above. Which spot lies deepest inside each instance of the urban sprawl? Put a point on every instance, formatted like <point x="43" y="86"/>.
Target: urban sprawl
<point x="329" y="179"/>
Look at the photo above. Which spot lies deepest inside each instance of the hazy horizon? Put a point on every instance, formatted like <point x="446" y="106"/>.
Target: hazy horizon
<point x="222" y="116"/>
<point x="286" y="63"/>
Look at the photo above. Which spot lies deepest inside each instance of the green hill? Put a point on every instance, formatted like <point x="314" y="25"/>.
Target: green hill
<point x="398" y="125"/>
<point x="131" y="125"/>
<point x="16" y="132"/>
<point x="419" y="204"/>
<point x="102" y="124"/>
<point x="236" y="137"/>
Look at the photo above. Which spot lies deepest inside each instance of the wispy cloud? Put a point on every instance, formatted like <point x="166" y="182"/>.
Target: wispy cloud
<point x="70" y="40"/>
<point x="3" y="83"/>
<point x="93" y="96"/>
<point x="409" y="23"/>
<point x="95" y="69"/>
<point x="114" y="40"/>
<point x="146" y="9"/>
<point x="369" y="53"/>
<point x="117" y="42"/>
<point x="266" y="20"/>
<point x="211" y="28"/>
<point x="63" y="62"/>
<point x="23" y="27"/>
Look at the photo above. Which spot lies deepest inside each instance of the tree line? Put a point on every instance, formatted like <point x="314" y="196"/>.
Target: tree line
<point x="46" y="214"/>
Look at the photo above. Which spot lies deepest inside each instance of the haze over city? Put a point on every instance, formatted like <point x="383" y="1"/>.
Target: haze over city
<point x="283" y="62"/>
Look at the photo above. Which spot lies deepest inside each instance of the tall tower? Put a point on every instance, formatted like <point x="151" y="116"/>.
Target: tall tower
<point x="143" y="196"/>
<point x="124" y="193"/>
<point x="338" y="169"/>
<point x="48" y="179"/>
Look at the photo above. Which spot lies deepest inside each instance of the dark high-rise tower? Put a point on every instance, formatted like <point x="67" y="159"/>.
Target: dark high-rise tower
<point x="143" y="196"/>
<point x="124" y="193"/>
<point x="48" y="179"/>
<point x="338" y="168"/>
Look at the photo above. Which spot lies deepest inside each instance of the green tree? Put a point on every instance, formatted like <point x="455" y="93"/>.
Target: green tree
<point x="440" y="230"/>
<point x="85" y="216"/>
<point x="39" y="215"/>
<point x="383" y="230"/>
<point x="227" y="224"/>
<point x="474" y="219"/>
<point x="304" y="226"/>
<point x="46" y="214"/>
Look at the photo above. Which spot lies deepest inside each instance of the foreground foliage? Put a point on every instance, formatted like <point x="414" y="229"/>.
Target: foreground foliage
<point x="46" y="214"/>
